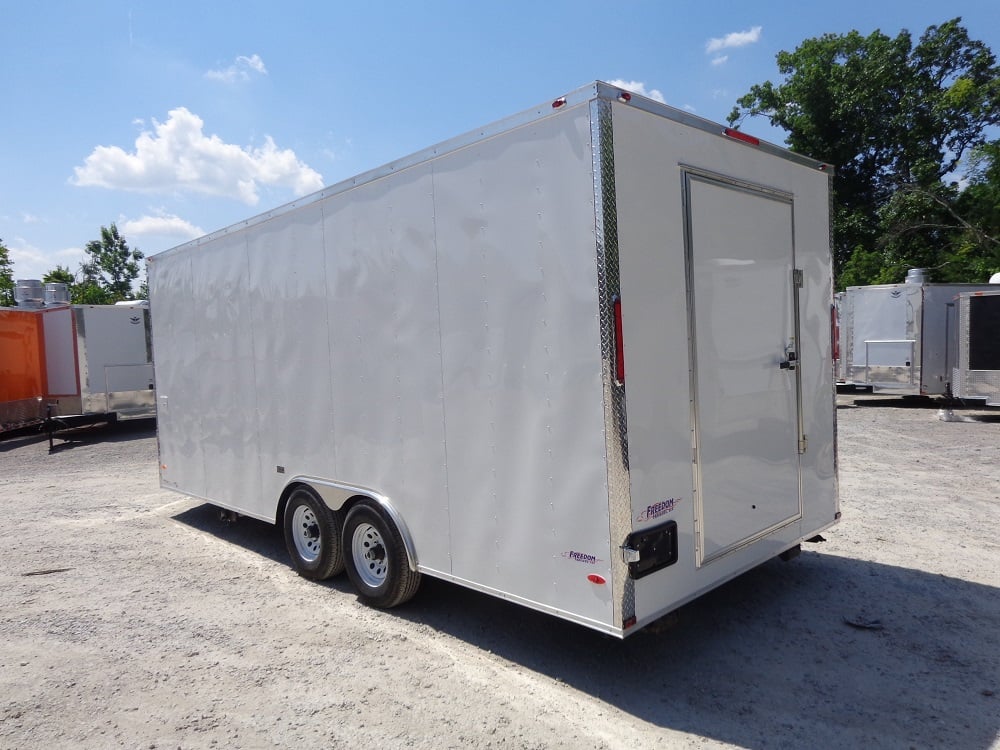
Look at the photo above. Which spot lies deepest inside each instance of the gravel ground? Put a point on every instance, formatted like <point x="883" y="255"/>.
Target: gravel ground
<point x="133" y="617"/>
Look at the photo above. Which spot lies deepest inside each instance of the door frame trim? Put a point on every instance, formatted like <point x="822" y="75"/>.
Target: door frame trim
<point x="688" y="175"/>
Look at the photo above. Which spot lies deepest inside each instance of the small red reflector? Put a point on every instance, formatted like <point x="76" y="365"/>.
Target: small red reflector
<point x="594" y="578"/>
<point x="619" y="342"/>
<point x="835" y="329"/>
<point x="741" y="136"/>
<point x="559" y="102"/>
<point x="625" y="97"/>
<point x="630" y="622"/>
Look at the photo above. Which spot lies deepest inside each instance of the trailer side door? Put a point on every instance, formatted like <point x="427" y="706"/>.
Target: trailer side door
<point x="746" y="385"/>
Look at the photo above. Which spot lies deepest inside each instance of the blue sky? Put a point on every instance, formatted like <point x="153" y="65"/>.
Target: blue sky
<point x="174" y="119"/>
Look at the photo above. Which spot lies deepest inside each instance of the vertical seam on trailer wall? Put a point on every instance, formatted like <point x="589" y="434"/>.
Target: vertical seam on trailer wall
<point x="609" y="287"/>
<point x="440" y="344"/>
<point x="258" y="427"/>
<point x="328" y="299"/>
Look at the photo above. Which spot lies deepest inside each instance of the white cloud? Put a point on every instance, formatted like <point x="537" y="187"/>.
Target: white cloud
<point x="689" y="108"/>
<point x="720" y="60"/>
<point x="178" y="156"/>
<point x="239" y="70"/>
<point x="735" y="39"/>
<point x="163" y="225"/>
<point x="32" y="263"/>
<point x="29" y="218"/>
<point x="253" y="62"/>
<point x="639" y="87"/>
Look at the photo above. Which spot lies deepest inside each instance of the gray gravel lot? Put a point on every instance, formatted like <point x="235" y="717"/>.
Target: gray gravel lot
<point x="133" y="617"/>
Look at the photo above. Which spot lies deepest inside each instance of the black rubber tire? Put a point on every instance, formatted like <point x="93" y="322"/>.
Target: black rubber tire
<point x="319" y="528"/>
<point x="400" y="583"/>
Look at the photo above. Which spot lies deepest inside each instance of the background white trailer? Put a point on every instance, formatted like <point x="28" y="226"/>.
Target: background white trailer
<point x="419" y="370"/>
<point x="75" y="364"/>
<point x="976" y="372"/>
<point x="896" y="337"/>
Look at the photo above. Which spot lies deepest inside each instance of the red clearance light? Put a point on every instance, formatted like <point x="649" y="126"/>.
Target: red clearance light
<point x="594" y="578"/>
<point x="619" y="342"/>
<point x="625" y="97"/>
<point x="559" y="102"/>
<point x="741" y="136"/>
<point x="835" y="330"/>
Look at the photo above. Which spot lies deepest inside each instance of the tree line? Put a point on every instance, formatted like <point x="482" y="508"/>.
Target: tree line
<point x="911" y="129"/>
<point x="106" y="275"/>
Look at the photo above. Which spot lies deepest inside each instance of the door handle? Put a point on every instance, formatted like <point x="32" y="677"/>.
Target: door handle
<point x="790" y="363"/>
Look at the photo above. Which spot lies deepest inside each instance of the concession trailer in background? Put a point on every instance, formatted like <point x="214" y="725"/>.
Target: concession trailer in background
<point x="579" y="359"/>
<point x="976" y="373"/>
<point x="896" y="338"/>
<point x="74" y="364"/>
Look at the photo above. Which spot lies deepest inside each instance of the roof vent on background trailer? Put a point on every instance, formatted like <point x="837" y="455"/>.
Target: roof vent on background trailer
<point x="916" y="276"/>
<point x="56" y="293"/>
<point x="29" y="293"/>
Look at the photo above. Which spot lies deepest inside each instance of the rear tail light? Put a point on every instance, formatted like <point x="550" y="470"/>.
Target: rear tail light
<point x="619" y="342"/>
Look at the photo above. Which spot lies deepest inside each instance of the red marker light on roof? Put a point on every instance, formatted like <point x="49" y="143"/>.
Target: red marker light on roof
<point x="625" y="97"/>
<point x="559" y="102"/>
<point x="741" y="136"/>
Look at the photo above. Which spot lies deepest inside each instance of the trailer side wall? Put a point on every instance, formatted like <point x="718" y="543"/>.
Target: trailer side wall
<point x="432" y="335"/>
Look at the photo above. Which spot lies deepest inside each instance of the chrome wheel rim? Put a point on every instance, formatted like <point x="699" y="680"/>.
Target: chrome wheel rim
<point x="306" y="534"/>
<point x="370" y="559"/>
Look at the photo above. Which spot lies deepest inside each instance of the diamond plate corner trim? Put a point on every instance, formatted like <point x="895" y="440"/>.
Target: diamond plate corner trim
<point x="609" y="287"/>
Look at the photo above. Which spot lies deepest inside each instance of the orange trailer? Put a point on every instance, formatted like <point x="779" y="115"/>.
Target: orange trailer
<point x="23" y="383"/>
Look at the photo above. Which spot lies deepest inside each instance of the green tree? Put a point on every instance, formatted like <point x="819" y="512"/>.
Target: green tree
<point x="61" y="275"/>
<point x="108" y="275"/>
<point x="896" y="119"/>
<point x="6" y="277"/>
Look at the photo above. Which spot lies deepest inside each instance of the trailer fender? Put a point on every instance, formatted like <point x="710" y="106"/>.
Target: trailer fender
<point x="338" y="495"/>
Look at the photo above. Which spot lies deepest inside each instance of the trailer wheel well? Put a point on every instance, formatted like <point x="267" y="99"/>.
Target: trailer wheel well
<point x="287" y="492"/>
<point x="279" y="512"/>
<point x="345" y="508"/>
<point x="354" y="500"/>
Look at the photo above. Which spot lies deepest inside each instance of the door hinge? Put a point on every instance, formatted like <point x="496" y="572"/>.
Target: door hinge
<point x="798" y="278"/>
<point x="803" y="444"/>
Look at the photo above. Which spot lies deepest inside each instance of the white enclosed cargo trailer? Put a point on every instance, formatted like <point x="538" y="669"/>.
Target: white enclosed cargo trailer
<point x="976" y="373"/>
<point x="895" y="338"/>
<point x="579" y="359"/>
